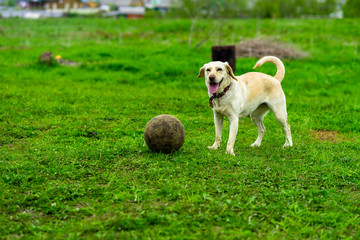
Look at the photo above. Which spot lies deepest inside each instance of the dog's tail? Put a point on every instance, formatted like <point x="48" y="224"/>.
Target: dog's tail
<point x="280" y="73"/>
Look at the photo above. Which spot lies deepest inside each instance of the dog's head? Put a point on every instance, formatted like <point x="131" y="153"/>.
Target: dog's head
<point x="217" y="75"/>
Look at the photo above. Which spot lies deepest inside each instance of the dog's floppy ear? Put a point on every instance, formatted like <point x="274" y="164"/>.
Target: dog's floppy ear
<point x="230" y="71"/>
<point x="202" y="72"/>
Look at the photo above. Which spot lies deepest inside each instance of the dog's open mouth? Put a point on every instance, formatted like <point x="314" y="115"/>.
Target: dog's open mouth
<point x="213" y="87"/>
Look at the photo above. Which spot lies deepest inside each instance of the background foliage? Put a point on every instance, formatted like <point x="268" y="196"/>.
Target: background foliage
<point x="352" y="9"/>
<point x="263" y="8"/>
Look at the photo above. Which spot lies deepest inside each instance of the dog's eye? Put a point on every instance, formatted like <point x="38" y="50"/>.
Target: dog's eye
<point x="219" y="69"/>
<point x="208" y="70"/>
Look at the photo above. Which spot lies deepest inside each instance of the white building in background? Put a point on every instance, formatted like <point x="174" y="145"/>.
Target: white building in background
<point x="135" y="8"/>
<point x="142" y="3"/>
<point x="338" y="13"/>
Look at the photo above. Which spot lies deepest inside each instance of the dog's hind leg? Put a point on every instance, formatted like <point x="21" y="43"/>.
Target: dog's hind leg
<point x="279" y="111"/>
<point x="257" y="117"/>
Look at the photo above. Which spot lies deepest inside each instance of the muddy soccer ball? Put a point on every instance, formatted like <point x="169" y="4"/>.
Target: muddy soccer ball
<point x="164" y="133"/>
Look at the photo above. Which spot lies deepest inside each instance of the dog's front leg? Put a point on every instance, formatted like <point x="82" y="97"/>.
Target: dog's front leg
<point x="234" y="124"/>
<point x="219" y="120"/>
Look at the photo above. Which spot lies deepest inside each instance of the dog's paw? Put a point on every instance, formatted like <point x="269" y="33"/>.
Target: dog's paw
<point x="288" y="143"/>
<point x="214" y="146"/>
<point x="230" y="151"/>
<point x="255" y="144"/>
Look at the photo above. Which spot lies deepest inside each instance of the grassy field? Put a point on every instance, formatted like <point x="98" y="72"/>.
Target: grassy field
<point x="74" y="165"/>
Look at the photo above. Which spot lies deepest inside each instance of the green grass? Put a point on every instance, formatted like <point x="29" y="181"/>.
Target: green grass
<point x="73" y="162"/>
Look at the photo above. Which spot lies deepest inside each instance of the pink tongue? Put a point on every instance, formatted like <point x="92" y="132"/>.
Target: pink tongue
<point x="213" y="88"/>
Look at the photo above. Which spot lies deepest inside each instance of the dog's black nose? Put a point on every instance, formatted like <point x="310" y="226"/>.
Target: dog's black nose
<point x="212" y="78"/>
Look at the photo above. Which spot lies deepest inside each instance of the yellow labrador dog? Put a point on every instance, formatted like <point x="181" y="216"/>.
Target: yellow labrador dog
<point x="251" y="94"/>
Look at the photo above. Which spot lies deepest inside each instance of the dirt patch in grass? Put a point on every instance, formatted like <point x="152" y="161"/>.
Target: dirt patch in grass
<point x="12" y="48"/>
<point x="327" y="136"/>
<point x="261" y="47"/>
<point x="101" y="34"/>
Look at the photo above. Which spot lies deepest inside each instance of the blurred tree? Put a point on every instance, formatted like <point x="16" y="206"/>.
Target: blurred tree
<point x="237" y="8"/>
<point x="293" y="8"/>
<point x="267" y="9"/>
<point x="210" y="8"/>
<point x="326" y="7"/>
<point x="287" y="8"/>
<point x="188" y="8"/>
<point x="255" y="8"/>
<point x="9" y="3"/>
<point x="351" y="9"/>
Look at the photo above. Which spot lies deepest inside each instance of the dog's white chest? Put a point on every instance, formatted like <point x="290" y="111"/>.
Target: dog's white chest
<point x="225" y="105"/>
